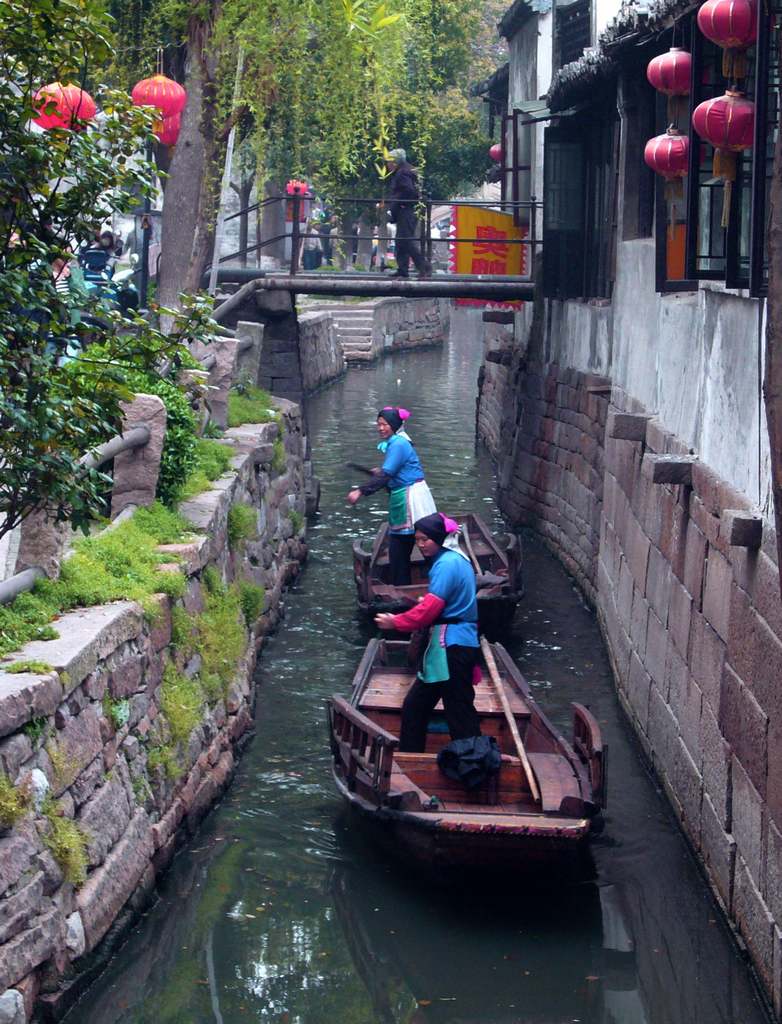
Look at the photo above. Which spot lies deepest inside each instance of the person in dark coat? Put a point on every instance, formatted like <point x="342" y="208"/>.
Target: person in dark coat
<point x="404" y="186"/>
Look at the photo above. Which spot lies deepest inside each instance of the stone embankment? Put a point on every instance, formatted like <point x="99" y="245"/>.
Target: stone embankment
<point x="118" y="741"/>
<point x="682" y="571"/>
<point x="364" y="332"/>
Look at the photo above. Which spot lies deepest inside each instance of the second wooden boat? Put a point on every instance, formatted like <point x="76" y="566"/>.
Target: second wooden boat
<point x="499" y="585"/>
<point x="433" y="819"/>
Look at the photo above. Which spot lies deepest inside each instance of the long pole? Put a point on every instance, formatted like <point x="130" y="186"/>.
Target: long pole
<point x="491" y="665"/>
<point x="226" y="185"/>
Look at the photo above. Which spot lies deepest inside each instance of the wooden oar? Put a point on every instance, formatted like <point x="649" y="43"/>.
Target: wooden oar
<point x="359" y="468"/>
<point x="470" y="552"/>
<point x="491" y="665"/>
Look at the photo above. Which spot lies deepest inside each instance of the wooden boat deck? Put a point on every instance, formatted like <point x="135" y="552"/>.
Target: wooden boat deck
<point x="386" y="690"/>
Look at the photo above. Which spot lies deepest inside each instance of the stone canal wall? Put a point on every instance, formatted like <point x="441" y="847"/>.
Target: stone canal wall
<point x="322" y="359"/>
<point x="119" y="735"/>
<point x="681" y="569"/>
<point x="402" y="324"/>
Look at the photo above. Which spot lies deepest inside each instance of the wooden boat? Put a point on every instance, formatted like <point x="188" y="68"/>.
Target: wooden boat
<point x="436" y="820"/>
<point x="498" y="594"/>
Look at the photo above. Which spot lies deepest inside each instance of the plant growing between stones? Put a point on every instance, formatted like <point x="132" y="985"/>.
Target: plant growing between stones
<point x="212" y="461"/>
<point x="67" y="844"/>
<point x="242" y="523"/>
<point x="117" y="711"/>
<point x="13" y="802"/>
<point x="297" y="520"/>
<point x="221" y="639"/>
<point x="34" y="729"/>
<point x="278" y="456"/>
<point x="64" y="766"/>
<point x="182" y="637"/>
<point x="252" y="599"/>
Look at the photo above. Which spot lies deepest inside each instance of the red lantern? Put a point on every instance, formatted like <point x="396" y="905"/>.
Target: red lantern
<point x="74" y="106"/>
<point x="728" y="123"/>
<point x="168" y="96"/>
<point x="168" y="129"/>
<point x="496" y="153"/>
<point x="669" y="73"/>
<point x="733" y="25"/>
<point x="668" y="154"/>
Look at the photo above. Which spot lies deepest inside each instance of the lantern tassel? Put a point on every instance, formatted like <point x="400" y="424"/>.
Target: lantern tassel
<point x="676" y="107"/>
<point x="734" y="64"/>
<point x="674" y="194"/>
<point x="724" y="166"/>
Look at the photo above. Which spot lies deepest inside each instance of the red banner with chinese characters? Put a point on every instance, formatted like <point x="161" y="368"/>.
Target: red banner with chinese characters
<point x="492" y="252"/>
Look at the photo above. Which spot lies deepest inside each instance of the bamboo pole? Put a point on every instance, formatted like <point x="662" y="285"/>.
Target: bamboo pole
<point x="491" y="665"/>
<point x="772" y="383"/>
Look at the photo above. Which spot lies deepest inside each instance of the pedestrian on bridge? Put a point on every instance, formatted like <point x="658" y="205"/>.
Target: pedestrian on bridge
<point x="410" y="497"/>
<point x="404" y="194"/>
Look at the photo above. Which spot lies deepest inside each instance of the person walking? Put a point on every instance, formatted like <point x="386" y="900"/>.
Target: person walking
<point x="404" y="194"/>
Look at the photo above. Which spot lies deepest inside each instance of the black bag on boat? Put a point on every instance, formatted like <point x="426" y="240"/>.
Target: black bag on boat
<point x="471" y="761"/>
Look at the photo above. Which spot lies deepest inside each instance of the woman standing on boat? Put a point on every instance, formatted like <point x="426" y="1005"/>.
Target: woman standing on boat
<point x="450" y="612"/>
<point x="410" y="499"/>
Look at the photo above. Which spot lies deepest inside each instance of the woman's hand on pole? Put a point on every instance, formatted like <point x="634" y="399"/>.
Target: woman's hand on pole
<point x="384" y="621"/>
<point x="354" y="495"/>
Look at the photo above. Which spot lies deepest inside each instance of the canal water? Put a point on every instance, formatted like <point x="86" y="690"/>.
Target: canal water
<point x="281" y="910"/>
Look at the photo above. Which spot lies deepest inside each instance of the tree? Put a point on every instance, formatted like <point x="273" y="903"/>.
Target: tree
<point x="55" y="190"/>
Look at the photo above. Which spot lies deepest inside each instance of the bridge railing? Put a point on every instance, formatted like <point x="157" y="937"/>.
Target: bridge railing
<point x="293" y="206"/>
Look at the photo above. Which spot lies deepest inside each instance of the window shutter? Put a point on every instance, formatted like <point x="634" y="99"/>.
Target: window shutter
<point x="563" y="214"/>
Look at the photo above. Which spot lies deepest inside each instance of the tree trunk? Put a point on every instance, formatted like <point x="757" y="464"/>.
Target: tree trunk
<point x="193" y="184"/>
<point x="772" y="384"/>
<point x="365" y="227"/>
<point x="244" y="192"/>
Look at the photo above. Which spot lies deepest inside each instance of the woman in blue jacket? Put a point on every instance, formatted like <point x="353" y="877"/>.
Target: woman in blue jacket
<point x="410" y="498"/>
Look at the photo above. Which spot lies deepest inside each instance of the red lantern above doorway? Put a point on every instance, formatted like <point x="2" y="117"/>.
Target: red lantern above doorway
<point x="496" y="152"/>
<point x="728" y="123"/>
<point x="73" y="108"/>
<point x="163" y="93"/>
<point x="732" y="25"/>
<point x="669" y="73"/>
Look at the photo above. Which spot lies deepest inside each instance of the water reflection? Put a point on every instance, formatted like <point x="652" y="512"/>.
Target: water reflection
<point x="282" y="911"/>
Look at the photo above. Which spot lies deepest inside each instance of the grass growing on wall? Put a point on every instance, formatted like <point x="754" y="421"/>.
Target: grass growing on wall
<point x="221" y="637"/>
<point x="13" y="803"/>
<point x="212" y="461"/>
<point x="252" y="598"/>
<point x="118" y="564"/>
<point x="67" y="844"/>
<point x="250" y="404"/>
<point x="242" y="523"/>
<point x="278" y="456"/>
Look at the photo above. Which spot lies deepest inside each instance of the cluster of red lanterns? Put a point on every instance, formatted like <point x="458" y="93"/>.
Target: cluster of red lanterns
<point x="726" y="122"/>
<point x="70" y="107"/>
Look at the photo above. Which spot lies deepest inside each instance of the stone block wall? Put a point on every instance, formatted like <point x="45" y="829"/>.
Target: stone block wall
<point x="692" y="621"/>
<point x="322" y="360"/>
<point x="62" y="738"/>
<point x="401" y="324"/>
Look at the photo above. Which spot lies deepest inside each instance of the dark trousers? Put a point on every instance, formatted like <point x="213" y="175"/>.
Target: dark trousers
<point x="406" y="242"/>
<point x="400" y="548"/>
<point x="458" y="696"/>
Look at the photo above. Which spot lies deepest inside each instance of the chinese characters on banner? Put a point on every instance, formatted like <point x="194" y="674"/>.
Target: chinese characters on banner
<point x="491" y="252"/>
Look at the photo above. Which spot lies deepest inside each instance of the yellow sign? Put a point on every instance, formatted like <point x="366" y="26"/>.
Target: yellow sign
<point x="491" y="252"/>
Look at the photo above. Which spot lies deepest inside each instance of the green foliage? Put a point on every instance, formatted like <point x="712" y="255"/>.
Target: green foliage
<point x="117" y="711"/>
<point x="252" y="598"/>
<point x="117" y="564"/>
<point x="162" y="523"/>
<point x="13" y="802"/>
<point x="212" y="580"/>
<point x="242" y="523"/>
<point x="37" y="668"/>
<point x="278" y="456"/>
<point x="179" y="457"/>
<point x="297" y="520"/>
<point x="165" y="758"/>
<point x="212" y="460"/>
<point x="249" y="404"/>
<point x="56" y="189"/>
<point x="67" y="844"/>
<point x="34" y="729"/>
<point x="181" y="701"/>
<point x="64" y="766"/>
<point x="221" y="639"/>
<point x="181" y="630"/>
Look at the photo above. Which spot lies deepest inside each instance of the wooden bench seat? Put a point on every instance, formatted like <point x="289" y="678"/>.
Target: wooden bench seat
<point x="423" y="774"/>
<point x="556" y="779"/>
<point x="386" y="691"/>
